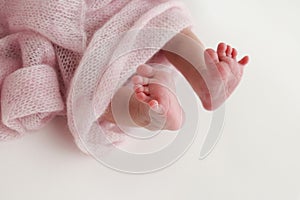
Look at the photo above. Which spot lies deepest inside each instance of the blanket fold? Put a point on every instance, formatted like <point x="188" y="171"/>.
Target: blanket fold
<point x="69" y="57"/>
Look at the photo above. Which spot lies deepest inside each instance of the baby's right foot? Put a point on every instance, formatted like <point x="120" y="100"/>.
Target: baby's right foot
<point x="156" y="88"/>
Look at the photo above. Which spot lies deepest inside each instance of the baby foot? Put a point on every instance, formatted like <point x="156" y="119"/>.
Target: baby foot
<point x="222" y="75"/>
<point x="156" y="88"/>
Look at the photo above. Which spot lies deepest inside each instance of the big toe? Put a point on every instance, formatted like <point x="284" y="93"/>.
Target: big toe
<point x="140" y="80"/>
<point x="145" y="70"/>
<point x="211" y="56"/>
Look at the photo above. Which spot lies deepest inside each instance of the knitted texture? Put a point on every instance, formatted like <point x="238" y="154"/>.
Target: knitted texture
<point x="69" y="57"/>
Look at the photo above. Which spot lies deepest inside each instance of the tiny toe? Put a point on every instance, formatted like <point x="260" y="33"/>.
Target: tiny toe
<point x="146" y="90"/>
<point x="211" y="56"/>
<point x="221" y="50"/>
<point x="145" y="70"/>
<point x="244" y="60"/>
<point x="140" y="80"/>
<point x="141" y="96"/>
<point x="228" y="51"/>
<point x="234" y="53"/>
<point x="153" y="104"/>
<point x="156" y="107"/>
<point x="138" y="88"/>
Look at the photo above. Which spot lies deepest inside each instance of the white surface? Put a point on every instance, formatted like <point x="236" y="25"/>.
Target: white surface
<point x="257" y="157"/>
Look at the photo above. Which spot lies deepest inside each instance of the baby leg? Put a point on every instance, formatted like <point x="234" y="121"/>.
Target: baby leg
<point x="218" y="69"/>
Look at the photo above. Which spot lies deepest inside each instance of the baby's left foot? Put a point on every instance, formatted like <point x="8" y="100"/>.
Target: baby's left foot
<point x="156" y="88"/>
<point x="223" y="74"/>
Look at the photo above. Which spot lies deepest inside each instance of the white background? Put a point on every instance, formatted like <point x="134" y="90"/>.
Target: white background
<point x="257" y="157"/>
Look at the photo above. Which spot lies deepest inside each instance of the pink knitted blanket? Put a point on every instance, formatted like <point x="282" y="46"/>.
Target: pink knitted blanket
<point x="69" y="57"/>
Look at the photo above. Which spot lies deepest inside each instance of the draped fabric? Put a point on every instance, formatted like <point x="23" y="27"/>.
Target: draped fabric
<point x="68" y="58"/>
